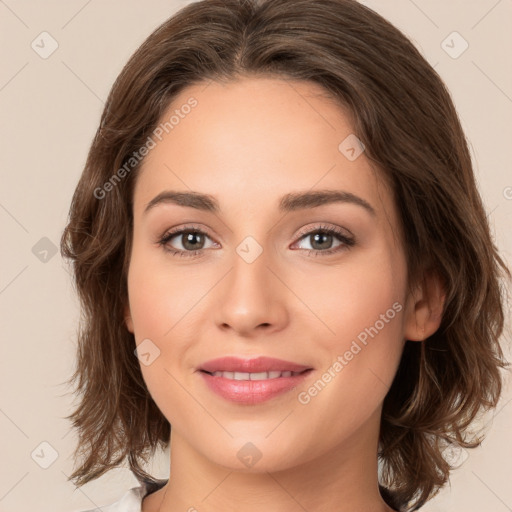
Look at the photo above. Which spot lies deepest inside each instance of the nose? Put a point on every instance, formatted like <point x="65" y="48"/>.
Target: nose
<point x="251" y="298"/>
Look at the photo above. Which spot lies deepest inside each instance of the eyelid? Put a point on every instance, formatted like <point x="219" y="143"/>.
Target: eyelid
<point x="344" y="235"/>
<point x="307" y="230"/>
<point x="179" y="230"/>
<point x="184" y="227"/>
<point x="323" y="226"/>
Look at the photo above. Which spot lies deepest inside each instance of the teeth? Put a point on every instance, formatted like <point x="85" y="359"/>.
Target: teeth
<point x="254" y="376"/>
<point x="259" y="376"/>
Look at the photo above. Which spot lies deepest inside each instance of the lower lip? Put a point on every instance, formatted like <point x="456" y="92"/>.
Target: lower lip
<point x="252" y="391"/>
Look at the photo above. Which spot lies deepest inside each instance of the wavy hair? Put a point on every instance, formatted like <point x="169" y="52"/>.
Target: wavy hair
<point x="403" y="114"/>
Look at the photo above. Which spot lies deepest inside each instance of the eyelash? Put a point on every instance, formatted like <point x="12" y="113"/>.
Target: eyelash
<point x="348" y="242"/>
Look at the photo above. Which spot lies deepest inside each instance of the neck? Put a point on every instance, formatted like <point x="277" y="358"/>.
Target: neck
<point x="342" y="480"/>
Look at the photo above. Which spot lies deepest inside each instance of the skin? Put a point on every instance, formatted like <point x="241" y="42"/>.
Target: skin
<point x="248" y="143"/>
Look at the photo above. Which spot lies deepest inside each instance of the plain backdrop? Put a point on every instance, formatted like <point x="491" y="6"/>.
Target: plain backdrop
<point x="50" y="108"/>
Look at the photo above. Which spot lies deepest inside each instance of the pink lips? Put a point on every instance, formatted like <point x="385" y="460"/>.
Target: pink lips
<point x="251" y="391"/>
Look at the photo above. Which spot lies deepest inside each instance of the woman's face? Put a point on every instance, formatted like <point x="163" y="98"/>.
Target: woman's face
<point x="267" y="277"/>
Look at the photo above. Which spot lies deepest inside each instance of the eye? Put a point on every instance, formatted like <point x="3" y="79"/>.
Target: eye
<point x="190" y="238"/>
<point x="192" y="241"/>
<point x="322" y="237"/>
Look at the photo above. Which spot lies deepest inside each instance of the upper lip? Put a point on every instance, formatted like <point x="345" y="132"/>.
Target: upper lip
<point x="258" y="364"/>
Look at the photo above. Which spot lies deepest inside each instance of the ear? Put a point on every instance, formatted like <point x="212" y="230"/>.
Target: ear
<point x="424" y="308"/>
<point x="128" y="318"/>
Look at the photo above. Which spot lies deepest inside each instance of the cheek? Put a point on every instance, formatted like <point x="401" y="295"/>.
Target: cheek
<point x="353" y="297"/>
<point x="148" y="305"/>
<point x="157" y="303"/>
<point x="160" y="293"/>
<point x="163" y="304"/>
<point x="363" y="348"/>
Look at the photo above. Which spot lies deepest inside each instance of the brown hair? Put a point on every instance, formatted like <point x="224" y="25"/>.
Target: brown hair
<point x="405" y="118"/>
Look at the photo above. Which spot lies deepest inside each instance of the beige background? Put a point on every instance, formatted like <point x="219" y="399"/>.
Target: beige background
<point x="50" y="109"/>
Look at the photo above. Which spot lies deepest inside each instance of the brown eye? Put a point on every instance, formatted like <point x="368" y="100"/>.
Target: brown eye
<point x="322" y="239"/>
<point x="191" y="240"/>
<point x="185" y="242"/>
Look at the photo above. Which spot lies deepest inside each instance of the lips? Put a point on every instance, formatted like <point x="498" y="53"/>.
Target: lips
<point x="252" y="381"/>
<point x="255" y="365"/>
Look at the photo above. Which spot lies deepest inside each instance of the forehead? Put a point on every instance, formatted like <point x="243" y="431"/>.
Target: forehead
<point x="251" y="141"/>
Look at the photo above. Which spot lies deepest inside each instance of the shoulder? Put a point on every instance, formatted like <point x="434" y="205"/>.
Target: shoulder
<point x="131" y="500"/>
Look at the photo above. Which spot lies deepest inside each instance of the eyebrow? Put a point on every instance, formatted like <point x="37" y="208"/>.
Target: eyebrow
<point x="288" y="203"/>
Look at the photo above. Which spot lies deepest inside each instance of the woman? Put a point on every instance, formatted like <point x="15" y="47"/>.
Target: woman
<point x="281" y="252"/>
